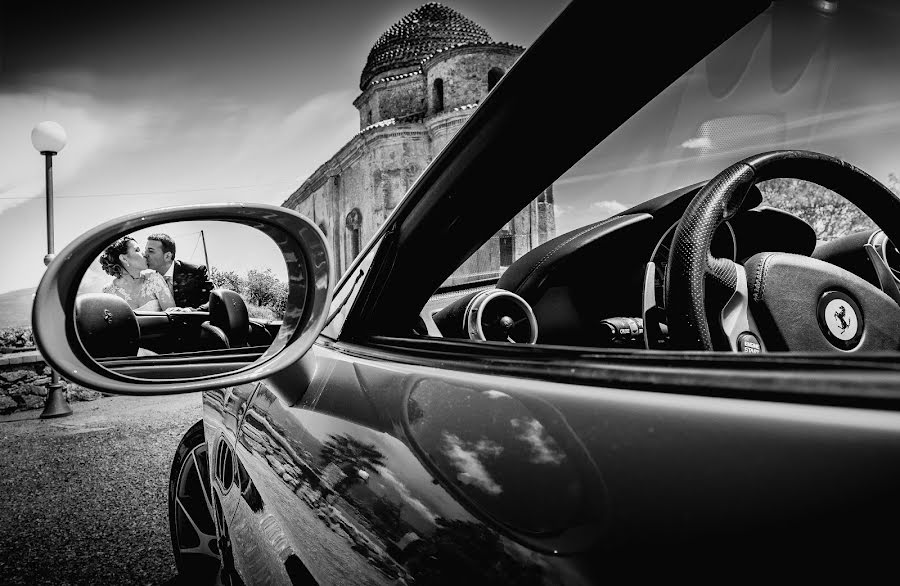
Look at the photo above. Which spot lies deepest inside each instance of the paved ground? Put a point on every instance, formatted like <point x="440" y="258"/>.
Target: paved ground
<point x="83" y="497"/>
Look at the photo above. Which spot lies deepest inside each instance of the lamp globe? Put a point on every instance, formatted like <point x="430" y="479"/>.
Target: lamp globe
<point x="48" y="137"/>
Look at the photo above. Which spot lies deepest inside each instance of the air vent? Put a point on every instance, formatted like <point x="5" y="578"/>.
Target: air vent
<point x="497" y="315"/>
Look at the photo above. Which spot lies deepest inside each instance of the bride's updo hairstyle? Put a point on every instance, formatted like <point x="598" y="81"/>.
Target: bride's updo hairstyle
<point x="109" y="260"/>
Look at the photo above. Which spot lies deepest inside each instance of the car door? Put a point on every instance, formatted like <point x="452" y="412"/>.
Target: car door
<point x="392" y="466"/>
<point x="398" y="457"/>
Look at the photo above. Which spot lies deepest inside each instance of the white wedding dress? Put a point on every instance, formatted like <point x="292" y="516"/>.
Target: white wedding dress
<point x="152" y="294"/>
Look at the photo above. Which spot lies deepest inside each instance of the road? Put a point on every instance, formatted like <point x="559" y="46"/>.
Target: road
<point x="83" y="498"/>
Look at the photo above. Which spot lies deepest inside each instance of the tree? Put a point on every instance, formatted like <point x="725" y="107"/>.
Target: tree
<point x="830" y="215"/>
<point x="463" y="552"/>
<point x="263" y="288"/>
<point x="351" y="456"/>
<point x="263" y="293"/>
<point x="227" y="280"/>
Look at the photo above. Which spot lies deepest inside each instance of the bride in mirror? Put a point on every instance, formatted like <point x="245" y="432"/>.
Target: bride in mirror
<point x="142" y="288"/>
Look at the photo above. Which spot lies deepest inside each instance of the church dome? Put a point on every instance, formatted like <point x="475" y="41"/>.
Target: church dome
<point x="419" y="34"/>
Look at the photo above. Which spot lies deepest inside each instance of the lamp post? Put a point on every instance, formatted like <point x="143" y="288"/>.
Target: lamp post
<point x="48" y="139"/>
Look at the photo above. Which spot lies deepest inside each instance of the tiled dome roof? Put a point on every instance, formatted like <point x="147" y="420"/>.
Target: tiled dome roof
<point x="424" y="31"/>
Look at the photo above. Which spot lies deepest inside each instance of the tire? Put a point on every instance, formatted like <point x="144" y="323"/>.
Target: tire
<point x="192" y="523"/>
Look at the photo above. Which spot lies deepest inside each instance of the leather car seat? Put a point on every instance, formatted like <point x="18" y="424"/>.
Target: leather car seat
<point x="212" y="338"/>
<point x="106" y="325"/>
<point x="228" y="313"/>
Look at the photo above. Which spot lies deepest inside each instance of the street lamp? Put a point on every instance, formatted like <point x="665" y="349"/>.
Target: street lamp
<point x="48" y="139"/>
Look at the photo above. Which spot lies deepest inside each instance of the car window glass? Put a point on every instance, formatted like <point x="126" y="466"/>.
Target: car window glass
<point x="346" y="294"/>
<point x="796" y="77"/>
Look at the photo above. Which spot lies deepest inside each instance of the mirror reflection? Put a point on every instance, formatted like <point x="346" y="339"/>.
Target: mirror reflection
<point x="182" y="290"/>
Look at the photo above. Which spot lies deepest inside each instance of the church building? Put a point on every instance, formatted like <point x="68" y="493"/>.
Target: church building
<point x="420" y="83"/>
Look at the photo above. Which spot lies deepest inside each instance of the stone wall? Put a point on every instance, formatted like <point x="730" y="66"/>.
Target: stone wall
<point x="24" y="381"/>
<point x="391" y="99"/>
<point x="464" y="73"/>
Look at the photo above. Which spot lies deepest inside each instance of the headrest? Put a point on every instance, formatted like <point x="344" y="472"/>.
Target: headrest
<point x="106" y="325"/>
<point x="212" y="338"/>
<point x="228" y="312"/>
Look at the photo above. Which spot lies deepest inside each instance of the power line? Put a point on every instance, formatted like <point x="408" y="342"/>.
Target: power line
<point x="195" y="248"/>
<point x="163" y="193"/>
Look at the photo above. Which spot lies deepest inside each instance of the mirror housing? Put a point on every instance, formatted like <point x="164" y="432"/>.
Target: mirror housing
<point x="306" y="253"/>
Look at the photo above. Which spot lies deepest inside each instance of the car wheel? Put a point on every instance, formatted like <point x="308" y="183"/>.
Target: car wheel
<point x="192" y="522"/>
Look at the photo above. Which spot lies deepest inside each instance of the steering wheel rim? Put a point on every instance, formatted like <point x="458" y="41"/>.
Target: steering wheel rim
<point x="692" y="267"/>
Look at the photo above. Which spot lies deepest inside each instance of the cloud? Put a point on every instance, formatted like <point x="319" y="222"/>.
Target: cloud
<point x="700" y="142"/>
<point x="560" y="210"/>
<point x="303" y="138"/>
<point x="94" y="280"/>
<point x="127" y="152"/>
<point x="544" y="449"/>
<point x="466" y="457"/>
<point x="606" y="208"/>
<point x="89" y="135"/>
<point x="407" y="496"/>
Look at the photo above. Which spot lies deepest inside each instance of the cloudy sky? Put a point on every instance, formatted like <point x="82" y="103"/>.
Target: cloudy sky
<point x="168" y="103"/>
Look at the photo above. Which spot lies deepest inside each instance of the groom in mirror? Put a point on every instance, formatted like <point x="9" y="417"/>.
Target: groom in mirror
<point x="189" y="283"/>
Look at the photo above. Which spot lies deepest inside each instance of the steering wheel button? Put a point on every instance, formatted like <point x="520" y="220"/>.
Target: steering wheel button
<point x="748" y="344"/>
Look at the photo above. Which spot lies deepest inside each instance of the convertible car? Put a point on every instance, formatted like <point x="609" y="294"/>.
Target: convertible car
<point x="109" y="329"/>
<point x="676" y="361"/>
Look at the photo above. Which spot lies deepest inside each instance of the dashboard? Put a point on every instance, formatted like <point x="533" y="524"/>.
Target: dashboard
<point x="598" y="285"/>
<point x="724" y="245"/>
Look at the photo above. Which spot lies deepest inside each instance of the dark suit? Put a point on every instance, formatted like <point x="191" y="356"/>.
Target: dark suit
<point x="190" y="284"/>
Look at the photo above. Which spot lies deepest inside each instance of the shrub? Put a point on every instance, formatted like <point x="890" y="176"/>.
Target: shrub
<point x="16" y="338"/>
<point x="227" y="280"/>
<point x="264" y="294"/>
<point x="258" y="312"/>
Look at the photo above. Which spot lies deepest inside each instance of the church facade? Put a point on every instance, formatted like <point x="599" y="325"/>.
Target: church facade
<point x="420" y="83"/>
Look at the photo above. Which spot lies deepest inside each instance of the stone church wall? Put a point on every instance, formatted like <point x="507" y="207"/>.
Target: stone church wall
<point x="352" y="194"/>
<point x="313" y="206"/>
<point x="391" y="99"/>
<point x="442" y="127"/>
<point x="464" y="72"/>
<point x="398" y="159"/>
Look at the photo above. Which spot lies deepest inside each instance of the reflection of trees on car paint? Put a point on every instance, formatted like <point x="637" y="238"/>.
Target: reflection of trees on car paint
<point x="351" y="457"/>
<point x="461" y="552"/>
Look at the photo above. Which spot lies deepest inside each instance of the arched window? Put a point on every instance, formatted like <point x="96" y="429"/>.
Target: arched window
<point x="437" y="95"/>
<point x="369" y="118"/>
<point x="354" y="227"/>
<point x="494" y="75"/>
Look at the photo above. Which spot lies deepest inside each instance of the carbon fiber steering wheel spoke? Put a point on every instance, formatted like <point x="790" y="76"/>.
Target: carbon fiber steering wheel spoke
<point x="736" y="320"/>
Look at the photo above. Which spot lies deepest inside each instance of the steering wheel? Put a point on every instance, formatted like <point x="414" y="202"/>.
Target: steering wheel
<point x="778" y="301"/>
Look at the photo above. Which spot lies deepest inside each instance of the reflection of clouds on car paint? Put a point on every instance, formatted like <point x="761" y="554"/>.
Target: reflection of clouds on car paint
<point x="497" y="395"/>
<point x="544" y="449"/>
<point x="407" y="496"/>
<point x="466" y="457"/>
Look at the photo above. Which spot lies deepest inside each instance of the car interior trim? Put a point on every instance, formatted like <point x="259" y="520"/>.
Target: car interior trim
<point x="865" y="380"/>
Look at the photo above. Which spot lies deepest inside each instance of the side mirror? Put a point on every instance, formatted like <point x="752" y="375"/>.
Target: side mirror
<point x="99" y="339"/>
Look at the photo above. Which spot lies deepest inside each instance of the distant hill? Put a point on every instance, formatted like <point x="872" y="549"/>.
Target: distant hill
<point x="15" y="308"/>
